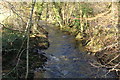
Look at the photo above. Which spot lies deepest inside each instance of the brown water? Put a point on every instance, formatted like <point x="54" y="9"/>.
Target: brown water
<point x="67" y="61"/>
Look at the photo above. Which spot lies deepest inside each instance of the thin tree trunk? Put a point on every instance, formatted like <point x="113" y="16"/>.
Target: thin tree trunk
<point x="29" y="24"/>
<point x="56" y="10"/>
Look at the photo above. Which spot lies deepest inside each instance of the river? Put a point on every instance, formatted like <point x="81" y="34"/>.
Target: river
<point x="65" y="60"/>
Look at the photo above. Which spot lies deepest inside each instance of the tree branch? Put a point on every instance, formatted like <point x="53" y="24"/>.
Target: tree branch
<point x="10" y="28"/>
<point x="93" y="18"/>
<point x="14" y="11"/>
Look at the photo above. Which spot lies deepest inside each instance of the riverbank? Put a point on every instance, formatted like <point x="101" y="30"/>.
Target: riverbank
<point x="14" y="52"/>
<point x="106" y="52"/>
<point x="106" y="57"/>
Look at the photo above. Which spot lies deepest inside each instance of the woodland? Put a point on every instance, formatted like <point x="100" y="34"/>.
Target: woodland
<point x="24" y="36"/>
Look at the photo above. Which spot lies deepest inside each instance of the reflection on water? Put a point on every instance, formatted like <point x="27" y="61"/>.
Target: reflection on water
<point x="66" y="61"/>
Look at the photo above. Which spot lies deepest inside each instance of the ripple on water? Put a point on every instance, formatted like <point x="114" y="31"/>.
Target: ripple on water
<point x="67" y="61"/>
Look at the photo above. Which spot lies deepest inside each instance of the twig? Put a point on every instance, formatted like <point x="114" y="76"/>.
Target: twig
<point x="98" y="65"/>
<point x="112" y="69"/>
<point x="21" y="46"/>
<point x="109" y="46"/>
<point x="9" y="28"/>
<point x="16" y="64"/>
<point x="14" y="11"/>
<point x="113" y="59"/>
<point x="11" y="50"/>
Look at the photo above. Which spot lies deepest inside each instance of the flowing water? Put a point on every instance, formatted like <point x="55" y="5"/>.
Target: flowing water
<point x="67" y="61"/>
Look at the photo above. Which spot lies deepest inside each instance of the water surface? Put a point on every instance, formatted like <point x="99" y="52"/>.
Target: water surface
<point x="67" y="61"/>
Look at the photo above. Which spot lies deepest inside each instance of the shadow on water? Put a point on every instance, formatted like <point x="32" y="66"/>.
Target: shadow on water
<point x="64" y="60"/>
